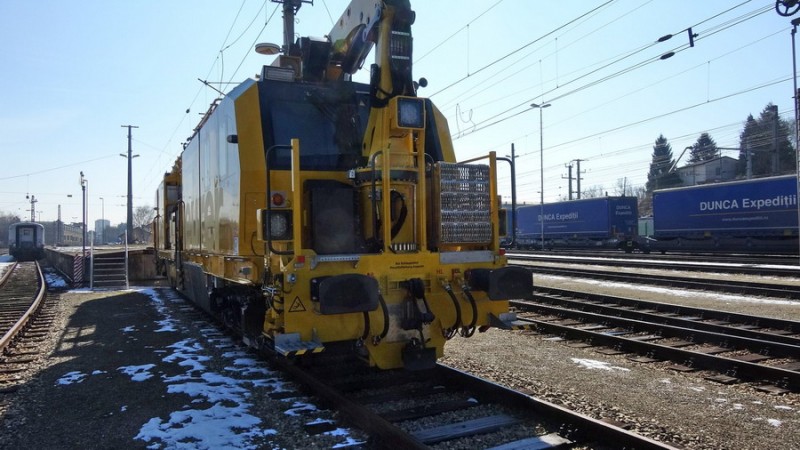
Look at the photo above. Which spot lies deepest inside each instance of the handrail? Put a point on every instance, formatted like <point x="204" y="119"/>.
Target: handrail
<point x="127" y="286"/>
<point x="91" y="265"/>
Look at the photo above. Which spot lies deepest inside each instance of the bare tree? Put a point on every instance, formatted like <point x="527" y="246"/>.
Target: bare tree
<point x="593" y="192"/>
<point x="6" y="219"/>
<point x="143" y="216"/>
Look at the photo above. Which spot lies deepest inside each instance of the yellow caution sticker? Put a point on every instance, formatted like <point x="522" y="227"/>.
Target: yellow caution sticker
<point x="297" y="305"/>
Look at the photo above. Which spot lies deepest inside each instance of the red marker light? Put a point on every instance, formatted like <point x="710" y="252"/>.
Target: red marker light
<point x="277" y="199"/>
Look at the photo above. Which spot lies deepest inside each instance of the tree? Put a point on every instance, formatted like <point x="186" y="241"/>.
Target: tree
<point x="623" y="187"/>
<point x="115" y="233"/>
<point x="7" y="219"/>
<point x="660" y="176"/>
<point x="593" y="191"/>
<point x="746" y="137"/>
<point x="765" y="147"/>
<point x="143" y="216"/>
<point x="705" y="149"/>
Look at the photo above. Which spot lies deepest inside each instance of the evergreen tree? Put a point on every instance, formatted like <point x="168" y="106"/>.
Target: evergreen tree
<point x="659" y="176"/>
<point x="765" y="145"/>
<point x="705" y="149"/>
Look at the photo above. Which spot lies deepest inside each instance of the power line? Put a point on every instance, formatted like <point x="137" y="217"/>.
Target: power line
<point x="521" y="48"/>
<point x="524" y="57"/>
<point x="52" y="169"/>
<point x="497" y="118"/>
<point x="417" y="60"/>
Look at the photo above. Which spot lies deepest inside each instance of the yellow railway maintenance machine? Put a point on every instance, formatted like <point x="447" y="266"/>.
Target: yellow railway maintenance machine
<point x="311" y="212"/>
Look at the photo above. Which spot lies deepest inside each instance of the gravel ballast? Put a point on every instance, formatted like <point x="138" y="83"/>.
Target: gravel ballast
<point x="683" y="410"/>
<point x="140" y="369"/>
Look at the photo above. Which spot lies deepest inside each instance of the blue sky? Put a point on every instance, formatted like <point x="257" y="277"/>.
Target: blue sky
<point x="75" y="72"/>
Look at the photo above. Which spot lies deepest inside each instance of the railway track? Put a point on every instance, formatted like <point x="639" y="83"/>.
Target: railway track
<point x="688" y="257"/>
<point x="446" y="408"/>
<point x="22" y="291"/>
<point x="25" y="321"/>
<point x="441" y="408"/>
<point x="772" y="267"/>
<point x="674" y="281"/>
<point x="438" y="408"/>
<point x="737" y="347"/>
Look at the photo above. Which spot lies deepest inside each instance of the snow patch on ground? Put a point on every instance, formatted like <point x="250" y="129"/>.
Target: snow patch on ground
<point x="71" y="378"/>
<point x="219" y="415"/>
<point x="593" y="364"/>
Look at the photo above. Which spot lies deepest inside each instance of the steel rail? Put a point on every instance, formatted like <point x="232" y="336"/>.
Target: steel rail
<point x="20" y="324"/>
<point x="767" y="348"/>
<point x="673" y="314"/>
<point x="387" y="435"/>
<point x="733" y="287"/>
<point x="740" y="369"/>
<point x="730" y="267"/>
<point x="589" y="429"/>
<point x="358" y="414"/>
<point x="7" y="273"/>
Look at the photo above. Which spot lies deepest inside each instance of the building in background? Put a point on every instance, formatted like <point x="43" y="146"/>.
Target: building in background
<point x="100" y="235"/>
<point x="62" y="234"/>
<point x="712" y="171"/>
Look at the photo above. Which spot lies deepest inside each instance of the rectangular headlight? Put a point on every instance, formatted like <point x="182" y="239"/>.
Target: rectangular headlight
<point x="410" y="112"/>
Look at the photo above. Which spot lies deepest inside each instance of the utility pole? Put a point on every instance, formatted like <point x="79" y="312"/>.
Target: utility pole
<point x="33" y="200"/>
<point x="130" y="182"/>
<point x="578" y="176"/>
<point x="569" y="177"/>
<point x="84" y="186"/>
<point x="513" y="196"/>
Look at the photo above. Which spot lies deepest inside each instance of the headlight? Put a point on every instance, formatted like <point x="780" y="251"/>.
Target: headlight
<point x="276" y="225"/>
<point x="410" y="112"/>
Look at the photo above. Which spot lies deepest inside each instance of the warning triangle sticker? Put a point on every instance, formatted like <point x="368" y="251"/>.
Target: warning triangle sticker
<point x="297" y="305"/>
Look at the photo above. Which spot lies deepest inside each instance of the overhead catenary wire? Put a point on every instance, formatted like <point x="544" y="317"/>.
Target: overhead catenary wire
<point x="507" y="55"/>
<point x="154" y="168"/>
<point x="445" y="40"/>
<point x="630" y="93"/>
<point x="629" y="53"/>
<point x="481" y="86"/>
<point x="499" y="117"/>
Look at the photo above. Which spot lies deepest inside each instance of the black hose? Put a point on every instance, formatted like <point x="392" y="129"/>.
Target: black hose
<point x="401" y="218"/>
<point x="377" y="339"/>
<point x="457" y="306"/>
<point x="469" y="330"/>
<point x="366" y="326"/>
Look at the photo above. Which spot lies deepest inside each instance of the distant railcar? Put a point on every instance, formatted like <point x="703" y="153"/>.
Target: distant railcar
<point x="605" y="222"/>
<point x="758" y="215"/>
<point x="26" y="241"/>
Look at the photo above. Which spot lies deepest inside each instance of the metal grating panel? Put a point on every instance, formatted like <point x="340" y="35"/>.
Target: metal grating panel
<point x="465" y="202"/>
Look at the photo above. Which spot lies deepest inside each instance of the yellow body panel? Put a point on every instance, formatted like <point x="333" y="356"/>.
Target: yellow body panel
<point x="390" y="270"/>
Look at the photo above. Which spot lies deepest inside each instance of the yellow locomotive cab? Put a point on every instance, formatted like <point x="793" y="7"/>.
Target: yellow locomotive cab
<point x="310" y="212"/>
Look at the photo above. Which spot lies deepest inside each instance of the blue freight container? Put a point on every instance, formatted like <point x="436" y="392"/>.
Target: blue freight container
<point x="595" y="219"/>
<point x="748" y="208"/>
